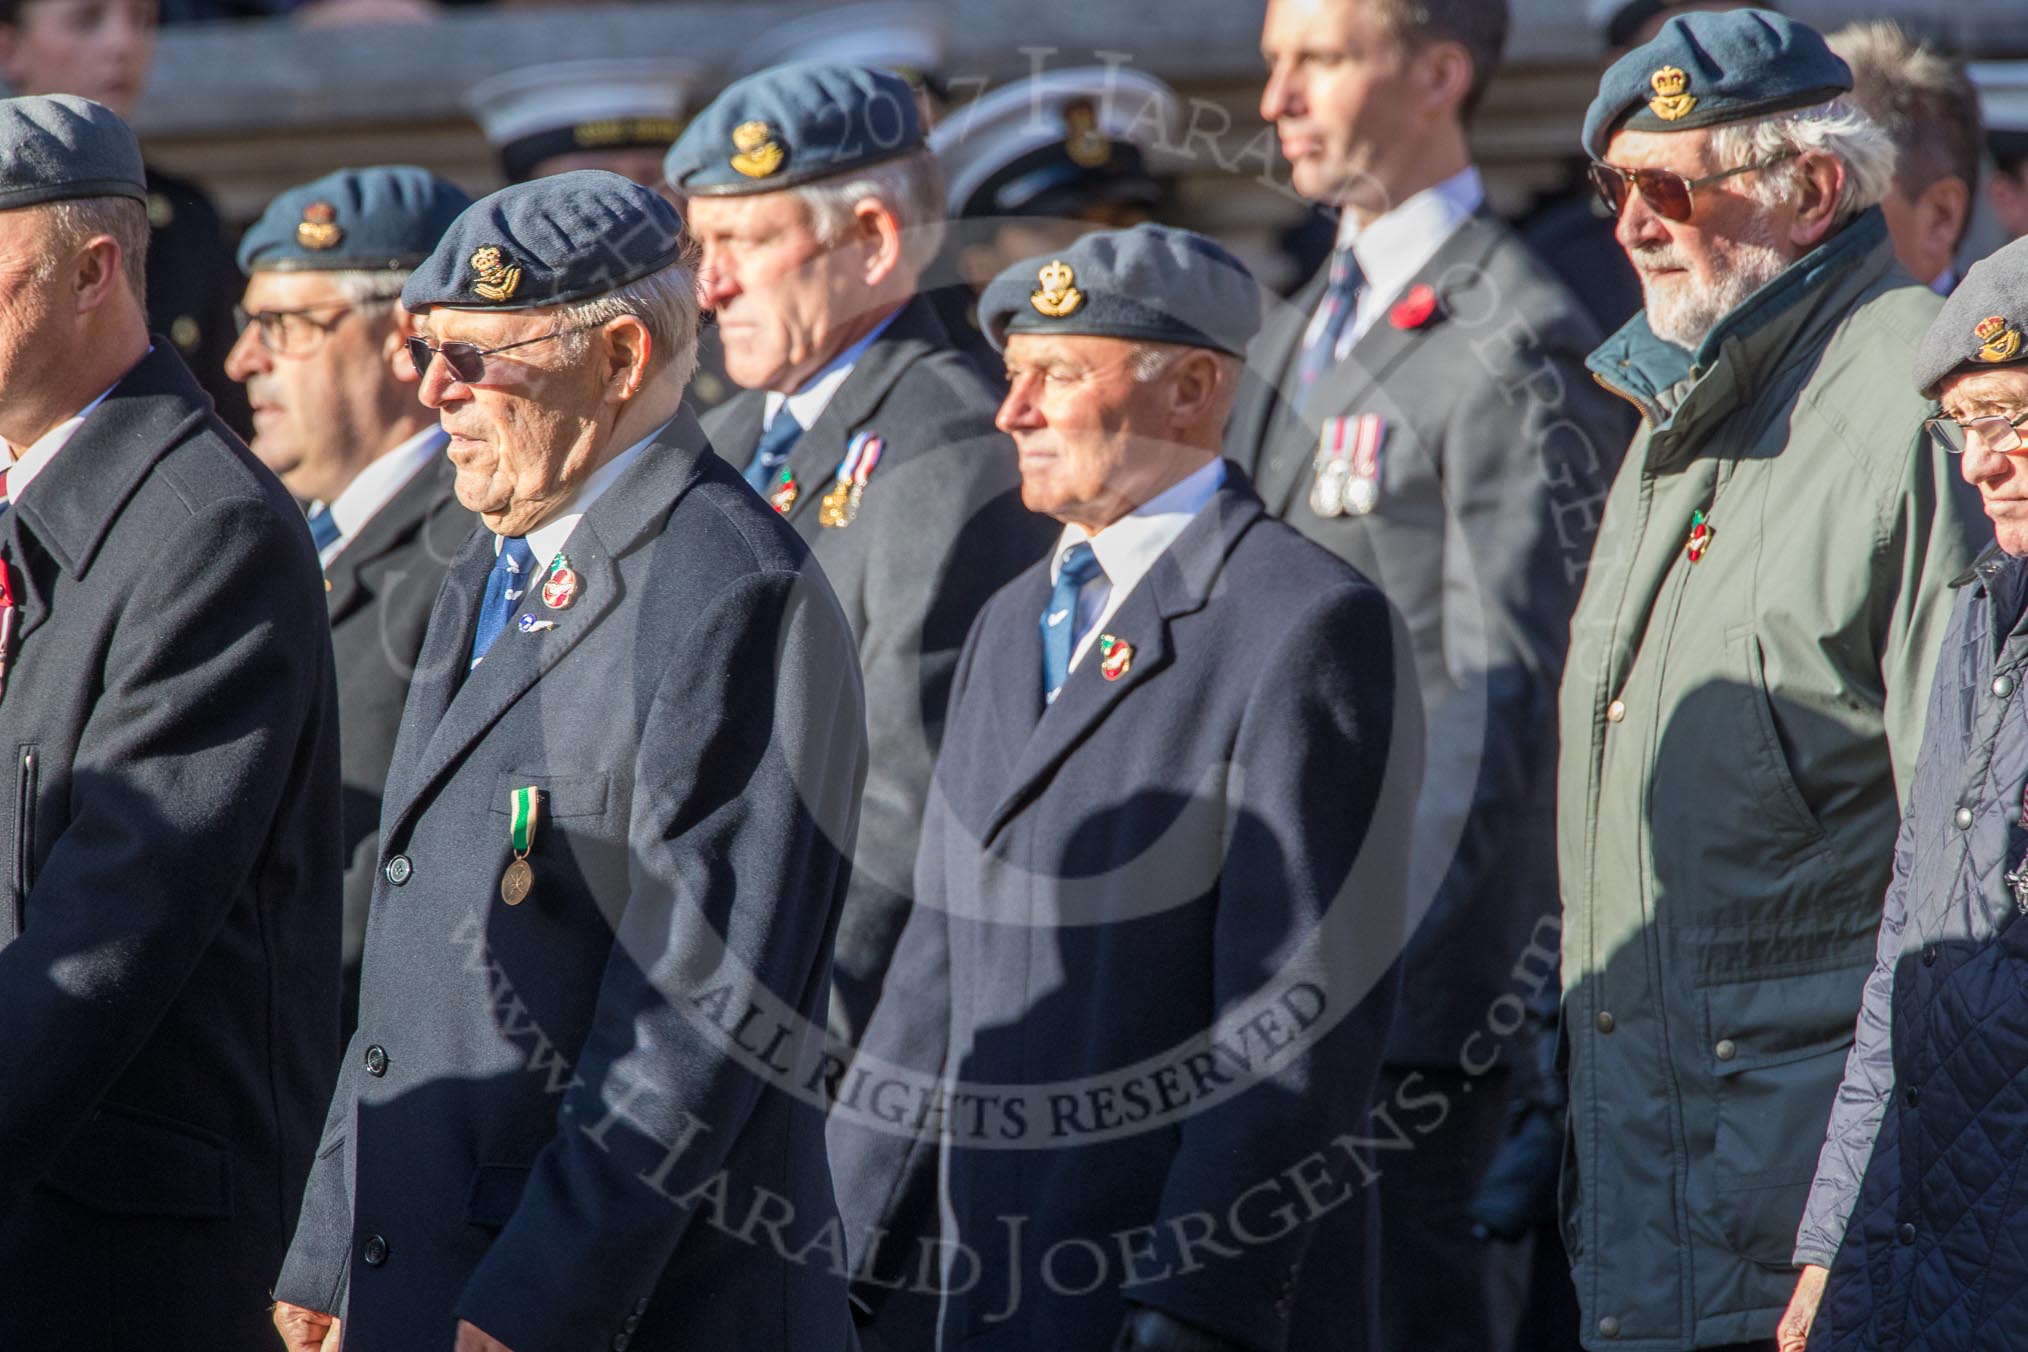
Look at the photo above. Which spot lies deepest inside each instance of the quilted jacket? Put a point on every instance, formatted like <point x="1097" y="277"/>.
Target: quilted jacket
<point x="1935" y="1254"/>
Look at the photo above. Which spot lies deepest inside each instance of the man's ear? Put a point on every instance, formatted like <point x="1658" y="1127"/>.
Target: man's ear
<point x="394" y="347"/>
<point x="98" y="277"/>
<point x="1196" y="382"/>
<point x="878" y="232"/>
<point x="1445" y="71"/>
<point x="1819" y="179"/>
<point x="629" y="349"/>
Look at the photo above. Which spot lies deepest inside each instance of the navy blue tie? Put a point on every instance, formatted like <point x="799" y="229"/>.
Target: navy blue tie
<point x="773" y="451"/>
<point x="1059" y="622"/>
<point x="513" y="574"/>
<point x="323" y="528"/>
<point x="1341" y="298"/>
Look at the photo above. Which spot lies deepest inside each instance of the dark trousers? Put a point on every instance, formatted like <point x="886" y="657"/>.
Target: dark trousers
<point x="1442" y="1289"/>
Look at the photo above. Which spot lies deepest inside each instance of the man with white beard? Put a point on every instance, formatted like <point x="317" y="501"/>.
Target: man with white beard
<point x="1747" y="674"/>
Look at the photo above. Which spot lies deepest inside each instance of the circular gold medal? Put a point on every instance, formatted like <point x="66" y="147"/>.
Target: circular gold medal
<point x="517" y="882"/>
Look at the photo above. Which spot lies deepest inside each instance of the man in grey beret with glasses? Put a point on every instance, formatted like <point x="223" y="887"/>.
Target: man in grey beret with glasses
<point x="611" y="847"/>
<point x="1914" y="1212"/>
<point x="336" y="416"/>
<point x="1748" y="666"/>
<point x="169" y="924"/>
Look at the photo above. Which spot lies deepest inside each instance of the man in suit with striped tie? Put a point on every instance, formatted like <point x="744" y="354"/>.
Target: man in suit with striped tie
<point x="336" y="416"/>
<point x="863" y="420"/>
<point x="1422" y="410"/>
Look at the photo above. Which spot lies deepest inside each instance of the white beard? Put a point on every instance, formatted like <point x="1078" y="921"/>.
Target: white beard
<point x="1690" y="310"/>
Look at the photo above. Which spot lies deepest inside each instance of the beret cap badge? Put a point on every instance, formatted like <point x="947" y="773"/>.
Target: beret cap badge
<point x="498" y="279"/>
<point x="1998" y="342"/>
<point x="1670" y="102"/>
<point x="1058" y="295"/>
<point x="319" y="228"/>
<point x="758" y="153"/>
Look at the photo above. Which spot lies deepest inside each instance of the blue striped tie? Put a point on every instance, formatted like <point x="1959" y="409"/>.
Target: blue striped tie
<point x="1059" y="622"/>
<point x="773" y="451"/>
<point x="323" y="528"/>
<point x="1341" y="298"/>
<point x="512" y="575"/>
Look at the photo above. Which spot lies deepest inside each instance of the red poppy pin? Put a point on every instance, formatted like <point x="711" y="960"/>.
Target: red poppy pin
<point x="1415" y="309"/>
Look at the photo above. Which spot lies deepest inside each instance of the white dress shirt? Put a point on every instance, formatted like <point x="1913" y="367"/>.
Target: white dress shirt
<point x="31" y="462"/>
<point x="375" y="486"/>
<point x="809" y="402"/>
<point x="1393" y="247"/>
<point x="1128" y="548"/>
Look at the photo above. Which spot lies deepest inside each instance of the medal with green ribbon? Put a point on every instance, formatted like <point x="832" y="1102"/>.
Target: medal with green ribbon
<point x="519" y="879"/>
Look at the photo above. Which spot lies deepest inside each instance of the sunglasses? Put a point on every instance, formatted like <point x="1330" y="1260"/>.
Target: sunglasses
<point x="1664" y="190"/>
<point x="468" y="363"/>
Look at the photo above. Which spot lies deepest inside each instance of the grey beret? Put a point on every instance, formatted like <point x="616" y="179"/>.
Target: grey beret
<point x="792" y="124"/>
<point x="387" y="217"/>
<point x="58" y="146"/>
<point x="1983" y="323"/>
<point x="1704" y="70"/>
<point x="548" y="242"/>
<point x="1148" y="284"/>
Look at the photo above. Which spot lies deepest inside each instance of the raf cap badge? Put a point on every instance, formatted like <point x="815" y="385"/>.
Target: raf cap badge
<point x="498" y="279"/>
<point x="1058" y="295"/>
<point x="1998" y="343"/>
<point x="1083" y="142"/>
<point x="1670" y="102"/>
<point x="319" y="228"/>
<point x="758" y="154"/>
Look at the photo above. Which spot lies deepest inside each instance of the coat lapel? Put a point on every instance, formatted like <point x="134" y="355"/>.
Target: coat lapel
<point x="631" y="509"/>
<point x="389" y="529"/>
<point x="80" y="493"/>
<point x="1179" y="584"/>
<point x="915" y="333"/>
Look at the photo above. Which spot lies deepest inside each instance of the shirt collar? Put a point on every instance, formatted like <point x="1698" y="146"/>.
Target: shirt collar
<point x="36" y="458"/>
<point x="809" y="401"/>
<point x="375" y="486"/>
<point x="1128" y="548"/>
<point x="1393" y="247"/>
<point x="546" y="541"/>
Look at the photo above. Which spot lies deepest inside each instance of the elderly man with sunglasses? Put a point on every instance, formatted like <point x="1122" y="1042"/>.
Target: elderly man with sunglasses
<point x="612" y="846"/>
<point x="1747" y="673"/>
<point x="1915" y="1210"/>
<point x="336" y="416"/>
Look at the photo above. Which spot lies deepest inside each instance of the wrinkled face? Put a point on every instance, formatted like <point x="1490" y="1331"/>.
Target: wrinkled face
<point x="525" y="434"/>
<point x="35" y="324"/>
<point x="1338" y="95"/>
<point x="316" y="402"/>
<point x="101" y="49"/>
<point x="1693" y="273"/>
<point x="2002" y="480"/>
<point x="783" y="300"/>
<point x="1085" y="429"/>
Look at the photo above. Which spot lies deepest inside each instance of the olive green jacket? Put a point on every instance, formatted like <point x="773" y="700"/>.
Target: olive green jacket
<point x="1735" y="729"/>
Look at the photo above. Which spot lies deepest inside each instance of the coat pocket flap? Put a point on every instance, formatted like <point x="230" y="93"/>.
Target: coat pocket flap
<point x="125" y="1162"/>
<point x="562" y="795"/>
<point x="496" y="1191"/>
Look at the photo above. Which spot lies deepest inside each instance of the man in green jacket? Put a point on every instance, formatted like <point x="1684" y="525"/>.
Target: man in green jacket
<point x="1747" y="672"/>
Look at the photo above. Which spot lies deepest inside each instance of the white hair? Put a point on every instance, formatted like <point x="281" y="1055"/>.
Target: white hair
<point x="73" y="220"/>
<point x="362" y="287"/>
<point x="911" y="187"/>
<point x="1838" y="128"/>
<point x="666" y="304"/>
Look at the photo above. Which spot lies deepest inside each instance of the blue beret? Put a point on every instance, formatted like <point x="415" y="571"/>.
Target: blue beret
<point x="548" y="242"/>
<point x="792" y="124"/>
<point x="386" y="218"/>
<point x="1704" y="69"/>
<point x="1148" y="284"/>
<point x="59" y="146"/>
<point x="1983" y="323"/>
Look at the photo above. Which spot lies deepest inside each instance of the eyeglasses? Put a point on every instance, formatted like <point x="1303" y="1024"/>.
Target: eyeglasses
<point x="293" y="333"/>
<point x="2001" y="435"/>
<point x="468" y="363"/>
<point x="1665" y="190"/>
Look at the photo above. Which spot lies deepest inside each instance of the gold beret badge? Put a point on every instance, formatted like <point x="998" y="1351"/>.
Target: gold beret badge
<point x="759" y="154"/>
<point x="1670" y="102"/>
<point x="1058" y="295"/>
